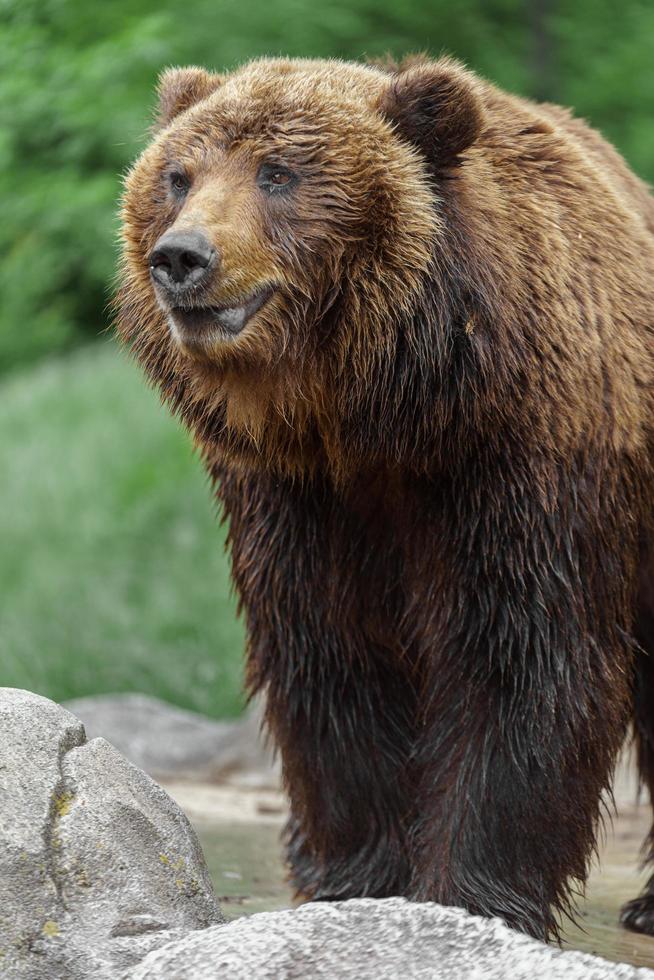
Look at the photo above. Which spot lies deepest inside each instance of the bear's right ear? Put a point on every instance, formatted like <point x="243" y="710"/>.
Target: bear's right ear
<point x="180" y="88"/>
<point x="435" y="106"/>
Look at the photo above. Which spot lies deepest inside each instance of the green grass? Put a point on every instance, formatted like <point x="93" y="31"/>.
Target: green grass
<point x="113" y="575"/>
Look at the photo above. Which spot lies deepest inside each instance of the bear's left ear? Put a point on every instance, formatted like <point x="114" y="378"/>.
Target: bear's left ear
<point x="180" y="88"/>
<point x="436" y="106"/>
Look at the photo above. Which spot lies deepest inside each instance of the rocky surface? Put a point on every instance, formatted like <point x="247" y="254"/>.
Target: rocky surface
<point x="169" y="742"/>
<point x="98" y="866"/>
<point x="370" y="939"/>
<point x="101" y="876"/>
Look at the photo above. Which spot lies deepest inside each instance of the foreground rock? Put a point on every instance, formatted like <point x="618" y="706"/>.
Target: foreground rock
<point x="98" y="866"/>
<point x="370" y="939"/>
<point x="169" y="742"/>
<point x="101" y="877"/>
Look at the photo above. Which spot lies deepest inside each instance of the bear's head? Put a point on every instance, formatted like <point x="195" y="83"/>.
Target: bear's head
<point x="288" y="275"/>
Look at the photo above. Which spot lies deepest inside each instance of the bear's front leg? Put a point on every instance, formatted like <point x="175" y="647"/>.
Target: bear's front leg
<point x="345" y="753"/>
<point x="527" y="665"/>
<point x="320" y="596"/>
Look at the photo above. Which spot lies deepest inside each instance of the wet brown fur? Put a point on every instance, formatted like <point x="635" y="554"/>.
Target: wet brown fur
<point x="434" y="449"/>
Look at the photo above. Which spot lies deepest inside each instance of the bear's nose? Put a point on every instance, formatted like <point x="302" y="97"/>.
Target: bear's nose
<point x="181" y="259"/>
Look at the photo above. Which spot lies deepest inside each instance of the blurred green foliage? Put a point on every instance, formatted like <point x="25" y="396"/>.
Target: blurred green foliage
<point x="113" y="574"/>
<point x="76" y="94"/>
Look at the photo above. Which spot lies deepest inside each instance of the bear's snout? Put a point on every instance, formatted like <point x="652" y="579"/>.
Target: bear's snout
<point x="182" y="260"/>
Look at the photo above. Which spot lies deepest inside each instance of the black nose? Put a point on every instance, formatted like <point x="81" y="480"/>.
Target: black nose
<point x="181" y="259"/>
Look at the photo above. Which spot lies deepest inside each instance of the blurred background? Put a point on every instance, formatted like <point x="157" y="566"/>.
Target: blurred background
<point x="112" y="569"/>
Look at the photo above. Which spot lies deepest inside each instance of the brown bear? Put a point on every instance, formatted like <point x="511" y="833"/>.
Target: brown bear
<point x="409" y="320"/>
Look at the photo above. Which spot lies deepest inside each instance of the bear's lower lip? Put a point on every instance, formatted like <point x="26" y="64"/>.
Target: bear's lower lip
<point x="232" y="319"/>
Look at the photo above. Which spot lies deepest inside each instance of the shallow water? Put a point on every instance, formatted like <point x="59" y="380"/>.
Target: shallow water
<point x="245" y="864"/>
<point x="244" y="860"/>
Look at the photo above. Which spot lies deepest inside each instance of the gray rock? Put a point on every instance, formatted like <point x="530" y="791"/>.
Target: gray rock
<point x="98" y="866"/>
<point x="101" y="876"/>
<point x="368" y="939"/>
<point x="167" y="741"/>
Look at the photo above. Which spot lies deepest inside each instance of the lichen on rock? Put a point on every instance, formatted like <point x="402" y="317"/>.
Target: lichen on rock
<point x="82" y="890"/>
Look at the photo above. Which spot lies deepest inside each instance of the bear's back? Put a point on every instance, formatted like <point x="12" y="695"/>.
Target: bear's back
<point x="634" y="193"/>
<point x="567" y="139"/>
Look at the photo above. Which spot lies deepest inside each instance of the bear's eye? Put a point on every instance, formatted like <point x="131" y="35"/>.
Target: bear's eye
<point x="179" y="183"/>
<point x="274" y="178"/>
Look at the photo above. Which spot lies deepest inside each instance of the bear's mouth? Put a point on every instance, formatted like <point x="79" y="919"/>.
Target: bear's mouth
<point x="195" y="320"/>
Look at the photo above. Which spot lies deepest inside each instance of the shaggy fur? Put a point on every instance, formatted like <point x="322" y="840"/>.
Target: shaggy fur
<point x="433" y="445"/>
